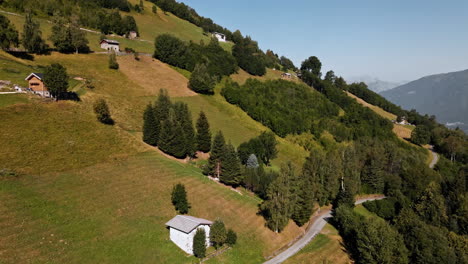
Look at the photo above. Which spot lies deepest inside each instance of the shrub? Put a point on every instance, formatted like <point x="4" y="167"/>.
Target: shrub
<point x="201" y="81"/>
<point x="113" y="61"/>
<point x="199" y="243"/>
<point x="102" y="112"/>
<point x="231" y="238"/>
<point x="179" y="198"/>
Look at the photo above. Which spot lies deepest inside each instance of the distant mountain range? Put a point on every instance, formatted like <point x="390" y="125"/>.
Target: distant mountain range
<point x="443" y="95"/>
<point x="376" y="84"/>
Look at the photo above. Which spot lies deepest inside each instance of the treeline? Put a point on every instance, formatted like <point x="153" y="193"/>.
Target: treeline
<point x="361" y="90"/>
<point x="90" y="13"/>
<point x="216" y="60"/>
<point x="66" y="35"/>
<point x="283" y="106"/>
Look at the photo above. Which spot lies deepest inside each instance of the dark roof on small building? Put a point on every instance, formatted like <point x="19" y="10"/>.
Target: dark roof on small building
<point x="38" y="75"/>
<point x="110" y="41"/>
<point x="186" y="223"/>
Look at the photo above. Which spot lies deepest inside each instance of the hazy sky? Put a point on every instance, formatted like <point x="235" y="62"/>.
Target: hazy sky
<point x="393" y="40"/>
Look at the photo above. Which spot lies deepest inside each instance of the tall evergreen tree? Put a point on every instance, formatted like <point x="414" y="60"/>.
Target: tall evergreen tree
<point x="216" y="155"/>
<point x="201" y="81"/>
<point x="171" y="137"/>
<point x="231" y="169"/>
<point x="163" y="105"/>
<point x="179" y="198"/>
<point x="8" y="34"/>
<point x="199" y="243"/>
<point x="203" y="133"/>
<point x="279" y="205"/>
<point x="32" y="36"/>
<point x="150" y="126"/>
<point x="252" y="162"/>
<point x="56" y="79"/>
<point x="218" y="233"/>
<point x="113" y="64"/>
<point x="184" y="118"/>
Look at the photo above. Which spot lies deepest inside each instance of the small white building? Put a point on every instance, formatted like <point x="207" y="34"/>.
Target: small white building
<point x="182" y="229"/>
<point x="110" y="45"/>
<point x="221" y="37"/>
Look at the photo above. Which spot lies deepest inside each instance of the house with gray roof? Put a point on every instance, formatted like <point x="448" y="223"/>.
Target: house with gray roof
<point x="110" y="45"/>
<point x="182" y="229"/>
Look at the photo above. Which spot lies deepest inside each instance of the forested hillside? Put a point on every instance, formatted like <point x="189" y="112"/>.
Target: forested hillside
<point x="94" y="173"/>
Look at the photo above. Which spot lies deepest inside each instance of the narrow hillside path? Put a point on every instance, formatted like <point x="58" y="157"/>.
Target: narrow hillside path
<point x="435" y="157"/>
<point x="314" y="229"/>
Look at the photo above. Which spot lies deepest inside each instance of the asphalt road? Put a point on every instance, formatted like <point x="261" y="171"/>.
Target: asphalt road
<point x="315" y="229"/>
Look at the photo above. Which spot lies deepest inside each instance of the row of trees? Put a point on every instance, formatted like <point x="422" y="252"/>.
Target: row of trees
<point x="218" y="237"/>
<point x="66" y="35"/>
<point x="113" y="22"/>
<point x="169" y="126"/>
<point x="207" y="62"/>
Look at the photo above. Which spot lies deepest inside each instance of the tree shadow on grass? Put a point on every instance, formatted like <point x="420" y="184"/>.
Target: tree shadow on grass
<point x="70" y="96"/>
<point x="21" y="55"/>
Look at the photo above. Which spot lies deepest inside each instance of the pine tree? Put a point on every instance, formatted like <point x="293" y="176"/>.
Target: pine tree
<point x="32" y="36"/>
<point x="166" y="135"/>
<point x="8" y="33"/>
<point x="56" y="79"/>
<point x="201" y="81"/>
<point x="150" y="126"/>
<point x="184" y="117"/>
<point x="113" y="64"/>
<point x="203" y="137"/>
<point x="252" y="162"/>
<point x="163" y="105"/>
<point x="231" y="169"/>
<point x="179" y="198"/>
<point x="216" y="155"/>
<point x="279" y="205"/>
<point x="199" y="243"/>
<point x="231" y="238"/>
<point x="218" y="234"/>
<point x="102" y="112"/>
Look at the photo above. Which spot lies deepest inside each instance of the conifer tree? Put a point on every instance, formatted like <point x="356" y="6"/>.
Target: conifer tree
<point x="231" y="169"/>
<point x="199" y="243"/>
<point x="56" y="79"/>
<point x="231" y="238"/>
<point x="203" y="138"/>
<point x="279" y="205"/>
<point x="113" y="64"/>
<point x="32" y="36"/>
<point x="150" y="126"/>
<point x="163" y="105"/>
<point x="8" y="33"/>
<point x="184" y="117"/>
<point x="252" y="162"/>
<point x="102" y="112"/>
<point x="218" y="234"/>
<point x="201" y="81"/>
<point x="216" y="155"/>
<point x="179" y="198"/>
<point x="166" y="135"/>
<point x="172" y="138"/>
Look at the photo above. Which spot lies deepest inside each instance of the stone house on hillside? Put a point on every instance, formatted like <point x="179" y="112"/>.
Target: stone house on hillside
<point x="110" y="45"/>
<point x="182" y="229"/>
<point x="36" y="85"/>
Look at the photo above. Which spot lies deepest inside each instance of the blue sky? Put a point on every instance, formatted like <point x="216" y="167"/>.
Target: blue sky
<point x="391" y="40"/>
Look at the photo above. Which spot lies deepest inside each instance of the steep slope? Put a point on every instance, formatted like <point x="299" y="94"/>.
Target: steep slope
<point x="443" y="95"/>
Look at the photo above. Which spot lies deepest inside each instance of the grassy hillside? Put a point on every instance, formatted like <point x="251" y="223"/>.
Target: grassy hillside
<point x="89" y="191"/>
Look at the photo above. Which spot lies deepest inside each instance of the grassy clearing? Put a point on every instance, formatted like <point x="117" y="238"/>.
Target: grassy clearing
<point x="325" y="248"/>
<point x="403" y="131"/>
<point x="144" y="71"/>
<point x="12" y="99"/>
<point x="45" y="137"/>
<point x="241" y="76"/>
<point x="376" y="109"/>
<point x="239" y="127"/>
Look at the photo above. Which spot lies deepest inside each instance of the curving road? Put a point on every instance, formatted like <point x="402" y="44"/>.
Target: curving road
<point x="314" y="229"/>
